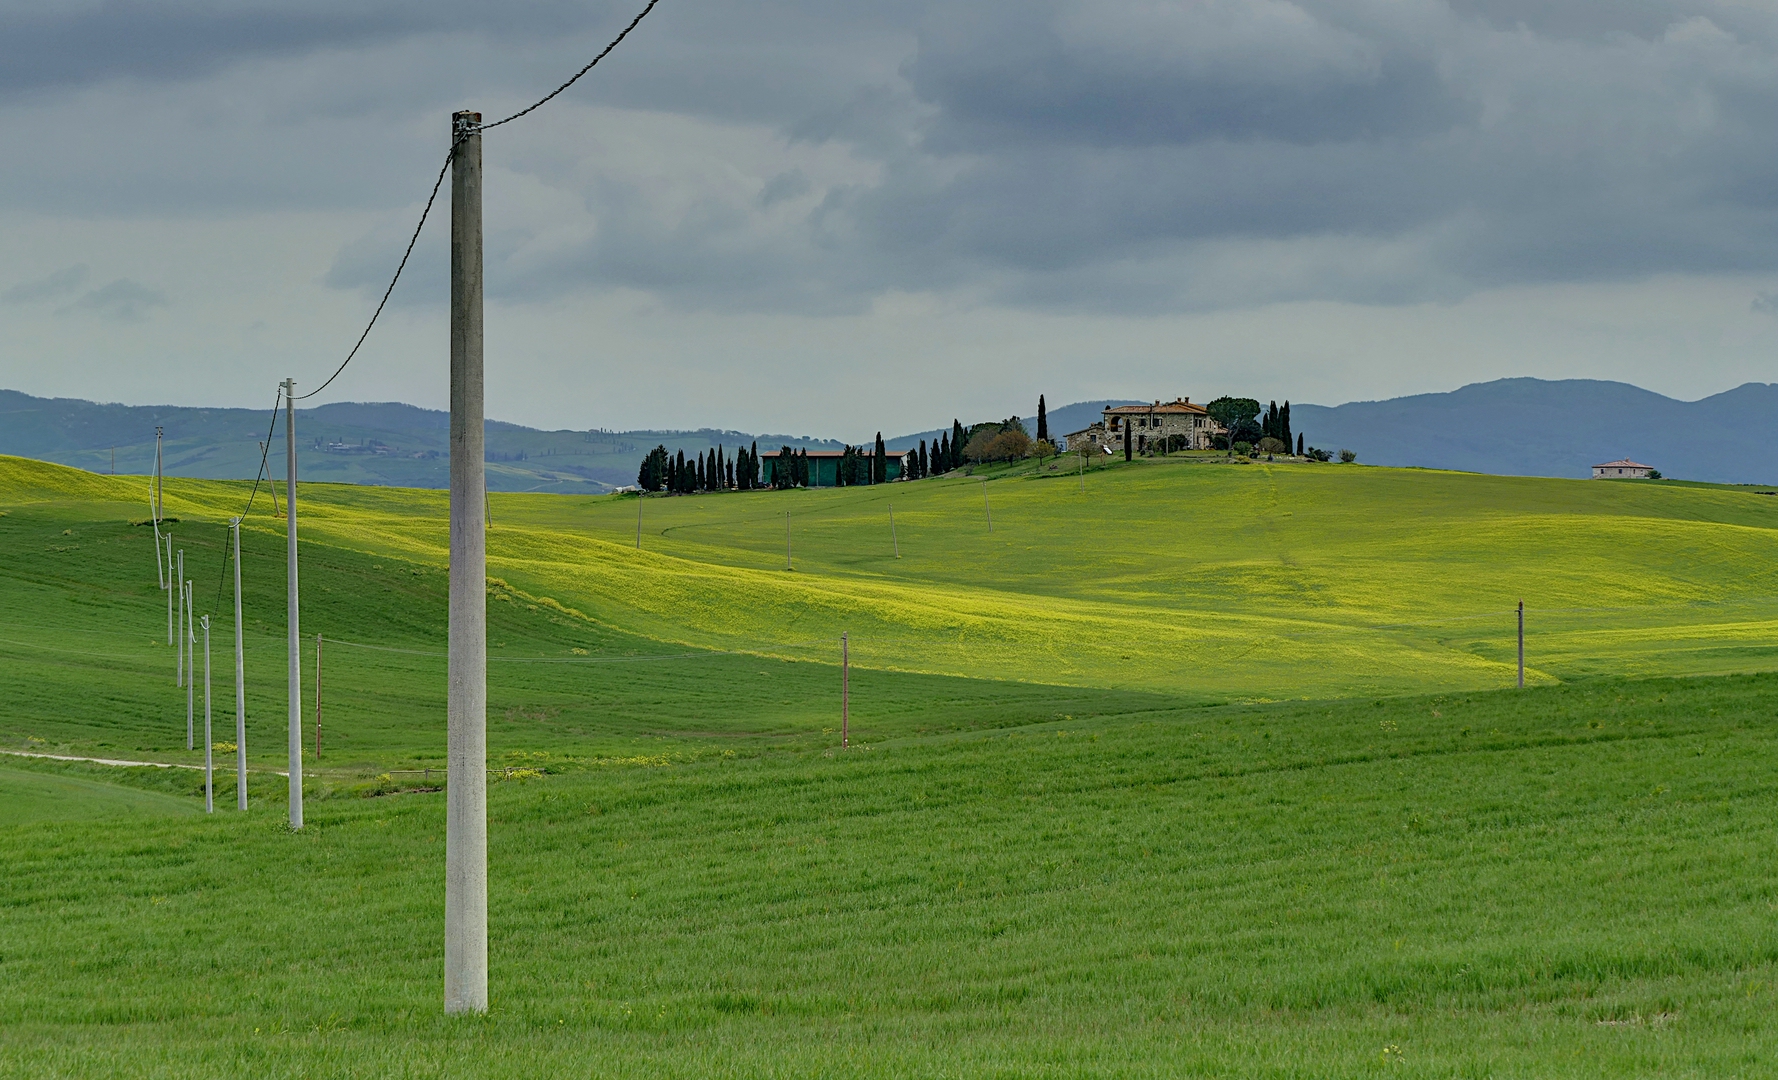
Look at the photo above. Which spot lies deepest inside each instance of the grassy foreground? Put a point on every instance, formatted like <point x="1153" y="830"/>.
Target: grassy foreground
<point x="1074" y="841"/>
<point x="1568" y="882"/>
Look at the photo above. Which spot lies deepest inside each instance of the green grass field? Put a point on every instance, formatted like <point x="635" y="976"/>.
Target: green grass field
<point x="1208" y="770"/>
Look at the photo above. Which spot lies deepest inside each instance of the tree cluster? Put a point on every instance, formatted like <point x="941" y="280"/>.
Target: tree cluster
<point x="709" y="471"/>
<point x="860" y="467"/>
<point x="1276" y="425"/>
<point x="945" y="454"/>
<point x="1003" y="441"/>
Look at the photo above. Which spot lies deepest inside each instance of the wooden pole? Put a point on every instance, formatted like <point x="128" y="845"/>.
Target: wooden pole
<point x="845" y="691"/>
<point x="892" y="538"/>
<point x="466" y="787"/>
<point x="987" y="507"/>
<point x="639" y="498"/>
<point x="317" y="697"/>
<point x="787" y="565"/>
<point x="1521" y="644"/>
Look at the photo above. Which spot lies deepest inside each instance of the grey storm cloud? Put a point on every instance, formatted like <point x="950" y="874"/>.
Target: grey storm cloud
<point x="1112" y="154"/>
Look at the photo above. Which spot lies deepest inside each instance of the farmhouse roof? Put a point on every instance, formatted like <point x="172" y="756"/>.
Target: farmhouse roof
<point x="1177" y="405"/>
<point x="1623" y="463"/>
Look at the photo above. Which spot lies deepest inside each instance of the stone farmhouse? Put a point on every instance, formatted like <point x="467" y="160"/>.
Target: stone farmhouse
<point x="1148" y="425"/>
<point x="1623" y="467"/>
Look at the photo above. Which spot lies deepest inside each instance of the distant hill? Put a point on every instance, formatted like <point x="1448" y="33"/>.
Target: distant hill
<point x="1537" y="427"/>
<point x="380" y="443"/>
<point x="1527" y="427"/>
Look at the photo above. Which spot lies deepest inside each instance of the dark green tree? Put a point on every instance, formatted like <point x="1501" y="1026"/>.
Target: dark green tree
<point x="1284" y="424"/>
<point x="1236" y="417"/>
<point x="958" y="441"/>
<point x="1299" y="444"/>
<point x="1126" y="441"/>
<point x="920" y="462"/>
<point x="941" y="455"/>
<point x="1043" y="421"/>
<point x="881" y="463"/>
<point x="653" y="474"/>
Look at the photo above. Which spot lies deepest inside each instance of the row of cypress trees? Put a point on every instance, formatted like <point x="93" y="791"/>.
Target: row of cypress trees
<point x="1276" y="424"/>
<point x="709" y="471"/>
<point x="945" y="454"/>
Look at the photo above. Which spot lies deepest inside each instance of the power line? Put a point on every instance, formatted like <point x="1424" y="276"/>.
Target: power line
<point x="463" y="134"/>
<point x="545" y="99"/>
<point x="265" y="450"/>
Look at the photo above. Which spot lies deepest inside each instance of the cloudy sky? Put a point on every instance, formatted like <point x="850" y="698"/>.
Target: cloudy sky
<point x="835" y="217"/>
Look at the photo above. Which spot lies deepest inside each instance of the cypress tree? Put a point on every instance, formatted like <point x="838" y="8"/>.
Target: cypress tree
<point x="957" y="441"/>
<point x="752" y="472"/>
<point x="941" y="455"/>
<point x="1043" y="421"/>
<point x="1284" y="424"/>
<point x="1126" y="441"/>
<point x="1299" y="444"/>
<point x="920" y="462"/>
<point x="803" y="472"/>
<point x="882" y="462"/>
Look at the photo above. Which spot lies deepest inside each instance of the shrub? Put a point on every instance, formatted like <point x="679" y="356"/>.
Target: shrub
<point x="1315" y="453"/>
<point x="1655" y="474"/>
<point x="1269" y="445"/>
<point x="1243" y="448"/>
<point x="1347" y="457"/>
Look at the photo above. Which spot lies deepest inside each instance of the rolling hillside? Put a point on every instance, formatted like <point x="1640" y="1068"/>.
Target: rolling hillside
<point x="1086" y="826"/>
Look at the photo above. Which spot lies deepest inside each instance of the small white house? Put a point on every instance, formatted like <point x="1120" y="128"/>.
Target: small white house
<point x="1624" y="467"/>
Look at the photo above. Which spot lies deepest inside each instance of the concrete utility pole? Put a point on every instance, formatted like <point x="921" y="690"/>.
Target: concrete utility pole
<point x="191" y="675"/>
<point x="466" y="788"/>
<point x="179" y="661"/>
<point x="1521" y="644"/>
<point x="240" y="681"/>
<point x="209" y="765"/>
<point x="291" y="611"/>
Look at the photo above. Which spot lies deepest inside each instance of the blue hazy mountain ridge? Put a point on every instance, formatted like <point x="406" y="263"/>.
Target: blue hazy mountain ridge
<point x="1524" y="426"/>
<point x="376" y="443"/>
<point x="1537" y="427"/>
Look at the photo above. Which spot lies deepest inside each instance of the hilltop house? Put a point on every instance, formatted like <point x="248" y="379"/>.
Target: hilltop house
<point x="1623" y="467"/>
<point x="1149" y="424"/>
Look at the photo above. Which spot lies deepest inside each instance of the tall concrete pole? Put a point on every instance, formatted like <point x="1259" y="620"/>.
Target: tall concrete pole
<point x="179" y="662"/>
<point x="240" y="682"/>
<point x="296" y="671"/>
<point x="169" y="588"/>
<point x="191" y="673"/>
<point x="466" y="788"/>
<point x="209" y="762"/>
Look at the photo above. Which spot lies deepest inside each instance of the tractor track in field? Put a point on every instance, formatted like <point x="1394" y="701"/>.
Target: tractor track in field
<point x="118" y="762"/>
